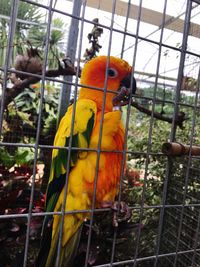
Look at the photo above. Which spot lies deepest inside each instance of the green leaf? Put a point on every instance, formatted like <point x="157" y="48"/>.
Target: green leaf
<point x="25" y="117"/>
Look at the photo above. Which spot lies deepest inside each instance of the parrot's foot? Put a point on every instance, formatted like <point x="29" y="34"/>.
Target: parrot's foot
<point x="121" y="211"/>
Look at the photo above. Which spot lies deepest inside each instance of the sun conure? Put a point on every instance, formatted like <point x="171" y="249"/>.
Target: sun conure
<point x="114" y="73"/>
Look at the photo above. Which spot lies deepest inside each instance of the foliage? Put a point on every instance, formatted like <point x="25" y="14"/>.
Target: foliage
<point x="15" y="190"/>
<point x="144" y="139"/>
<point x="34" y="32"/>
<point x="23" y="156"/>
<point x="21" y="118"/>
<point x="25" y="110"/>
<point x="141" y="187"/>
<point x="26" y="12"/>
<point x="37" y="35"/>
<point x="16" y="170"/>
<point x="20" y="125"/>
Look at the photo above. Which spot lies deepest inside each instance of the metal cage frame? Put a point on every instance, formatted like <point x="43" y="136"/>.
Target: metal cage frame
<point x="166" y="252"/>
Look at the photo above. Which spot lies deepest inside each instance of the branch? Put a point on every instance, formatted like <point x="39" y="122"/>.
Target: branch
<point x="123" y="98"/>
<point x="180" y="118"/>
<point x="17" y="88"/>
<point x="20" y="85"/>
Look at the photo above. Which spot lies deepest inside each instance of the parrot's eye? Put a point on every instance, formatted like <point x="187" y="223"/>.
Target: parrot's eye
<point x="112" y="73"/>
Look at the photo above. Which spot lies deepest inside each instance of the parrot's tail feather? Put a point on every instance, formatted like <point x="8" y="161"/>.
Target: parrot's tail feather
<point x="69" y="251"/>
<point x="48" y="249"/>
<point x="44" y="246"/>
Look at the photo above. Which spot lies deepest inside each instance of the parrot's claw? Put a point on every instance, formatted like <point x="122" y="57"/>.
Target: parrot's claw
<point x="122" y="98"/>
<point x="121" y="211"/>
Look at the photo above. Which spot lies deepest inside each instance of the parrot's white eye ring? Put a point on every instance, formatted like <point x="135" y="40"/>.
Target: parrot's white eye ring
<point x="112" y="73"/>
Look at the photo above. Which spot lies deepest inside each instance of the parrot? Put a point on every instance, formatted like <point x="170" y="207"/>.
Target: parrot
<point x="90" y="106"/>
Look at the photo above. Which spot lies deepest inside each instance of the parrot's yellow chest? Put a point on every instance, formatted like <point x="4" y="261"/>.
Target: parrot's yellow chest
<point x="110" y="163"/>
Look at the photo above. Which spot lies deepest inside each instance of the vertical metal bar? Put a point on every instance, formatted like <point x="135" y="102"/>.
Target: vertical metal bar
<point x="142" y="201"/>
<point x="125" y="28"/>
<point x="38" y="131"/>
<point x="173" y="129"/>
<point x="151" y="129"/>
<point x="198" y="226"/>
<point x="181" y="66"/>
<point x="196" y="241"/>
<point x="164" y="193"/>
<point x="71" y="52"/>
<point x="186" y="178"/>
<point x="11" y="33"/>
<point x="127" y="122"/>
<point x="195" y="112"/>
<point x="100" y="137"/>
<point x="177" y="99"/>
<point x="83" y="3"/>
<point x="137" y="34"/>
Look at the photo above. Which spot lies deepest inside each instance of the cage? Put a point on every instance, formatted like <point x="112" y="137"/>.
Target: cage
<point x="44" y="46"/>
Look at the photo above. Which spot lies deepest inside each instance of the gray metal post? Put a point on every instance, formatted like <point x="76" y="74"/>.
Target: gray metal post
<point x="11" y="33"/>
<point x="181" y="65"/>
<point x="71" y="52"/>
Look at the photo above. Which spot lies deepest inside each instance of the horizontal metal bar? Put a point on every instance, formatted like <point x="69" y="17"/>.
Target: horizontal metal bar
<point x="132" y="208"/>
<point x="95" y="88"/>
<point x="196" y="1"/>
<point x="40" y="76"/>
<point x="136" y="153"/>
<point x="140" y="259"/>
<point x="23" y="21"/>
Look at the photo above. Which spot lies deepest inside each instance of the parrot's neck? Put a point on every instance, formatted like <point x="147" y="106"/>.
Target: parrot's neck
<point x="98" y="98"/>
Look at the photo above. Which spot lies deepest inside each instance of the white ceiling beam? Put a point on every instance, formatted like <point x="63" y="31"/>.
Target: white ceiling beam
<point x="147" y="15"/>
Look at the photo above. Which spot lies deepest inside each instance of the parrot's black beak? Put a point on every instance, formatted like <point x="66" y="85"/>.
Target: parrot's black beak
<point x="126" y="90"/>
<point x="129" y="82"/>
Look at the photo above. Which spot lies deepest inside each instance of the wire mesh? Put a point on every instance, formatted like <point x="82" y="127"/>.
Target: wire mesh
<point x="162" y="46"/>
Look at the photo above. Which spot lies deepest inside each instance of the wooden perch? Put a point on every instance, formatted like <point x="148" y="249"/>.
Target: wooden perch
<point x="178" y="149"/>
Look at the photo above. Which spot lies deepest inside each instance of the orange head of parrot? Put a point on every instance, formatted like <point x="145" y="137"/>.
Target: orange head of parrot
<point x="118" y="73"/>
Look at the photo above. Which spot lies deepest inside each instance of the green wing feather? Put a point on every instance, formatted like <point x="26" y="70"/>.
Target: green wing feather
<point x="80" y="139"/>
